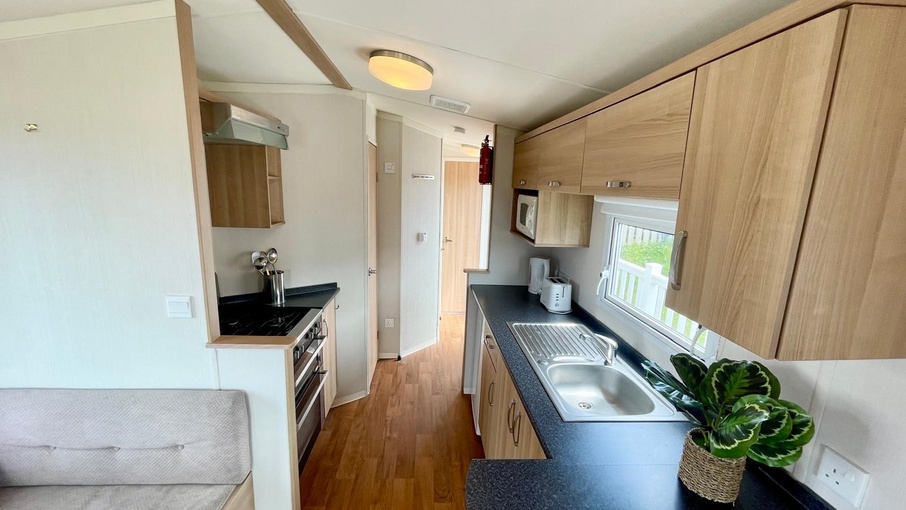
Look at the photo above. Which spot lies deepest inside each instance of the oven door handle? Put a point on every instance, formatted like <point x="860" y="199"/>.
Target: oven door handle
<point x="311" y="403"/>
<point x="314" y="356"/>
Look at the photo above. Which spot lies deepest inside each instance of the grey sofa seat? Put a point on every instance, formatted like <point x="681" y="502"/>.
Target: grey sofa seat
<point x="104" y="497"/>
<point x="122" y="449"/>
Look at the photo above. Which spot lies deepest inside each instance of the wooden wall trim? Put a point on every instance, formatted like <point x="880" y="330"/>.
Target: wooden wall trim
<point x="778" y="21"/>
<point x="199" y="167"/>
<point x="286" y="19"/>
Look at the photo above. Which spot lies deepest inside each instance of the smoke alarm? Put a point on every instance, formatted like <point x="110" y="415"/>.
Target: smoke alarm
<point x="452" y="105"/>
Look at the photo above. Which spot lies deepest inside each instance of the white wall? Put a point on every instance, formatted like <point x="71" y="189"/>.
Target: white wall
<point x="324" y="238"/>
<point x="389" y="191"/>
<point x="97" y="211"/>
<point x="408" y="270"/>
<point x="858" y="405"/>
<point x="419" y="261"/>
<point x="508" y="257"/>
<point x="508" y="261"/>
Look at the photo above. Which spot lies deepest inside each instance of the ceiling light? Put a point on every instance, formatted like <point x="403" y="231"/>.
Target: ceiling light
<point x="400" y="70"/>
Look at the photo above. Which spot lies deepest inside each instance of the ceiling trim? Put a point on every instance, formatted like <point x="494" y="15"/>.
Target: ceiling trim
<point x="777" y="21"/>
<point x="32" y="27"/>
<point x="280" y="88"/>
<point x="381" y="114"/>
<point x="292" y="26"/>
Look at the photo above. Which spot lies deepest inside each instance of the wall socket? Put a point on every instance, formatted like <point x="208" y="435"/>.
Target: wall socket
<point x="842" y="476"/>
<point x="388" y="323"/>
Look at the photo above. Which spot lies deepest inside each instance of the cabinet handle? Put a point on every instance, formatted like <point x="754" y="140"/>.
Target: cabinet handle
<point x="554" y="184"/>
<point x="509" y="412"/>
<point x="619" y="184"/>
<point x="676" y="260"/>
<point x="517" y="429"/>
<point x="490" y="393"/>
<point x="326" y="328"/>
<point x="487" y="341"/>
<point x="522" y="182"/>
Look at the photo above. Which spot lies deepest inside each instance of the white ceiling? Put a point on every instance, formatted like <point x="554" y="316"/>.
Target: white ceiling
<point x="518" y="63"/>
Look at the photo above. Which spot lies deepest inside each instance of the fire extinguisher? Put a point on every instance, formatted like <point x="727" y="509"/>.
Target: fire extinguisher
<point x="485" y="161"/>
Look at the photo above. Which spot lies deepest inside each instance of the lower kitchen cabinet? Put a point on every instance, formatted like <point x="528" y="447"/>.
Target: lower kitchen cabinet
<point x="506" y="431"/>
<point x="328" y="328"/>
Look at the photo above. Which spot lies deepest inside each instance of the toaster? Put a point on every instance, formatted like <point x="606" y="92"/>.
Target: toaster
<point x="557" y="294"/>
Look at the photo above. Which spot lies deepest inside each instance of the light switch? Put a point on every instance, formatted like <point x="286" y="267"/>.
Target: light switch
<point x="422" y="237"/>
<point x="389" y="168"/>
<point x="179" y="307"/>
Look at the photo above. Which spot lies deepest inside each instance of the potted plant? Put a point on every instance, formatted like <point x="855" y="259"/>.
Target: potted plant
<point x="738" y="413"/>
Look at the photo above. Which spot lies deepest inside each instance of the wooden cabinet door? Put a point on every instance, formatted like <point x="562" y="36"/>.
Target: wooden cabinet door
<point x="755" y="132"/>
<point x="525" y="441"/>
<point x="561" y="152"/>
<point x="245" y="185"/>
<point x="636" y="147"/>
<point x="489" y="405"/>
<point x="525" y="164"/>
<point x="563" y="220"/>
<point x="847" y="299"/>
<point x="510" y="399"/>
<point x="329" y="356"/>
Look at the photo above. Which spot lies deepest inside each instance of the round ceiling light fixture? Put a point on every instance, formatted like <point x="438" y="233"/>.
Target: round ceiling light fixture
<point x="400" y="70"/>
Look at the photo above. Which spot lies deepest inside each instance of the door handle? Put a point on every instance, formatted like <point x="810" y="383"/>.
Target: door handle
<point x="676" y="260"/>
<point x="447" y="239"/>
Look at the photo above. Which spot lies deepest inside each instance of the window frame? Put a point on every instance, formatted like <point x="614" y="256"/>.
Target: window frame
<point x="661" y="220"/>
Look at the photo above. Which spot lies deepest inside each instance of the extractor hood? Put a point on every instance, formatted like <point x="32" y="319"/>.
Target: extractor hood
<point x="228" y="124"/>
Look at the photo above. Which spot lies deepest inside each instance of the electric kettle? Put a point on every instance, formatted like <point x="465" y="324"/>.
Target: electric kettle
<point x="539" y="269"/>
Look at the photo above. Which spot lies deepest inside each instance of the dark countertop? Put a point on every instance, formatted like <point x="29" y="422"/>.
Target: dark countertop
<point x="617" y="465"/>
<point x="312" y="296"/>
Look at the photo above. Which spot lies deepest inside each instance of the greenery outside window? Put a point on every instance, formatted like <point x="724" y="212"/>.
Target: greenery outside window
<point x="635" y="281"/>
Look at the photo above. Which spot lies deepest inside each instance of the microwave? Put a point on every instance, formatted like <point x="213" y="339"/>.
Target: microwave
<point x="526" y="214"/>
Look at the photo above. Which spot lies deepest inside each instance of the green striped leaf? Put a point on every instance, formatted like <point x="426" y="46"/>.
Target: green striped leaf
<point x="690" y="369"/>
<point x="779" y="424"/>
<point x="738" y="431"/>
<point x="727" y="381"/>
<point x="803" y="428"/>
<point x="775" y="455"/>
<point x="676" y="392"/>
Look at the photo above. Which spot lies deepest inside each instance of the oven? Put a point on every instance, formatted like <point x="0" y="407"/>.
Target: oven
<point x="309" y="373"/>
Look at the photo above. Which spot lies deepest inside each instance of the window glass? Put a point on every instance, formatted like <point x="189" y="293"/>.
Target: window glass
<point x="638" y="280"/>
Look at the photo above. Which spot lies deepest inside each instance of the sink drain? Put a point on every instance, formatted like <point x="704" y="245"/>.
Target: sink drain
<point x="584" y="405"/>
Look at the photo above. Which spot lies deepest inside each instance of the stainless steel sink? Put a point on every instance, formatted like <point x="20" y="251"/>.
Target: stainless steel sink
<point x="571" y="364"/>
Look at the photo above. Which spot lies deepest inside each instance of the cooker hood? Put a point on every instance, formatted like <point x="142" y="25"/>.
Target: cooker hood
<point x="224" y="123"/>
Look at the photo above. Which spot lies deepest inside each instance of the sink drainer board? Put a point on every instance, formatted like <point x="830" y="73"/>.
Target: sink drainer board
<point x="569" y="361"/>
<point x="552" y="341"/>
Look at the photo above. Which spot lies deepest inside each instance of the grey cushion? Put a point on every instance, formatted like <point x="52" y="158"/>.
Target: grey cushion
<point x="120" y="497"/>
<point x="123" y="437"/>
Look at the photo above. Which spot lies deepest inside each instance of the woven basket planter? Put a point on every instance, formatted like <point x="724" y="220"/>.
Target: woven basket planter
<point x="708" y="476"/>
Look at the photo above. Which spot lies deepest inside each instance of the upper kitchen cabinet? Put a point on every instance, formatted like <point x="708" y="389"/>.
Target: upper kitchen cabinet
<point x="526" y="158"/>
<point x="562" y="220"/>
<point x="755" y="132"/>
<point x="242" y="152"/>
<point x="847" y="299"/>
<point x="636" y="147"/>
<point x="245" y="184"/>
<point x="551" y="161"/>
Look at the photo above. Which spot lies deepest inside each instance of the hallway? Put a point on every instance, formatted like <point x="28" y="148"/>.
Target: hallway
<point x="408" y="444"/>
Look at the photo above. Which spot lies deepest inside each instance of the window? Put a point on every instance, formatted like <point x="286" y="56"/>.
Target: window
<point x="635" y="280"/>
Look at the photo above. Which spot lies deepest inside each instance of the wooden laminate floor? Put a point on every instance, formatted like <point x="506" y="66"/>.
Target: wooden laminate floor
<point x="405" y="446"/>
